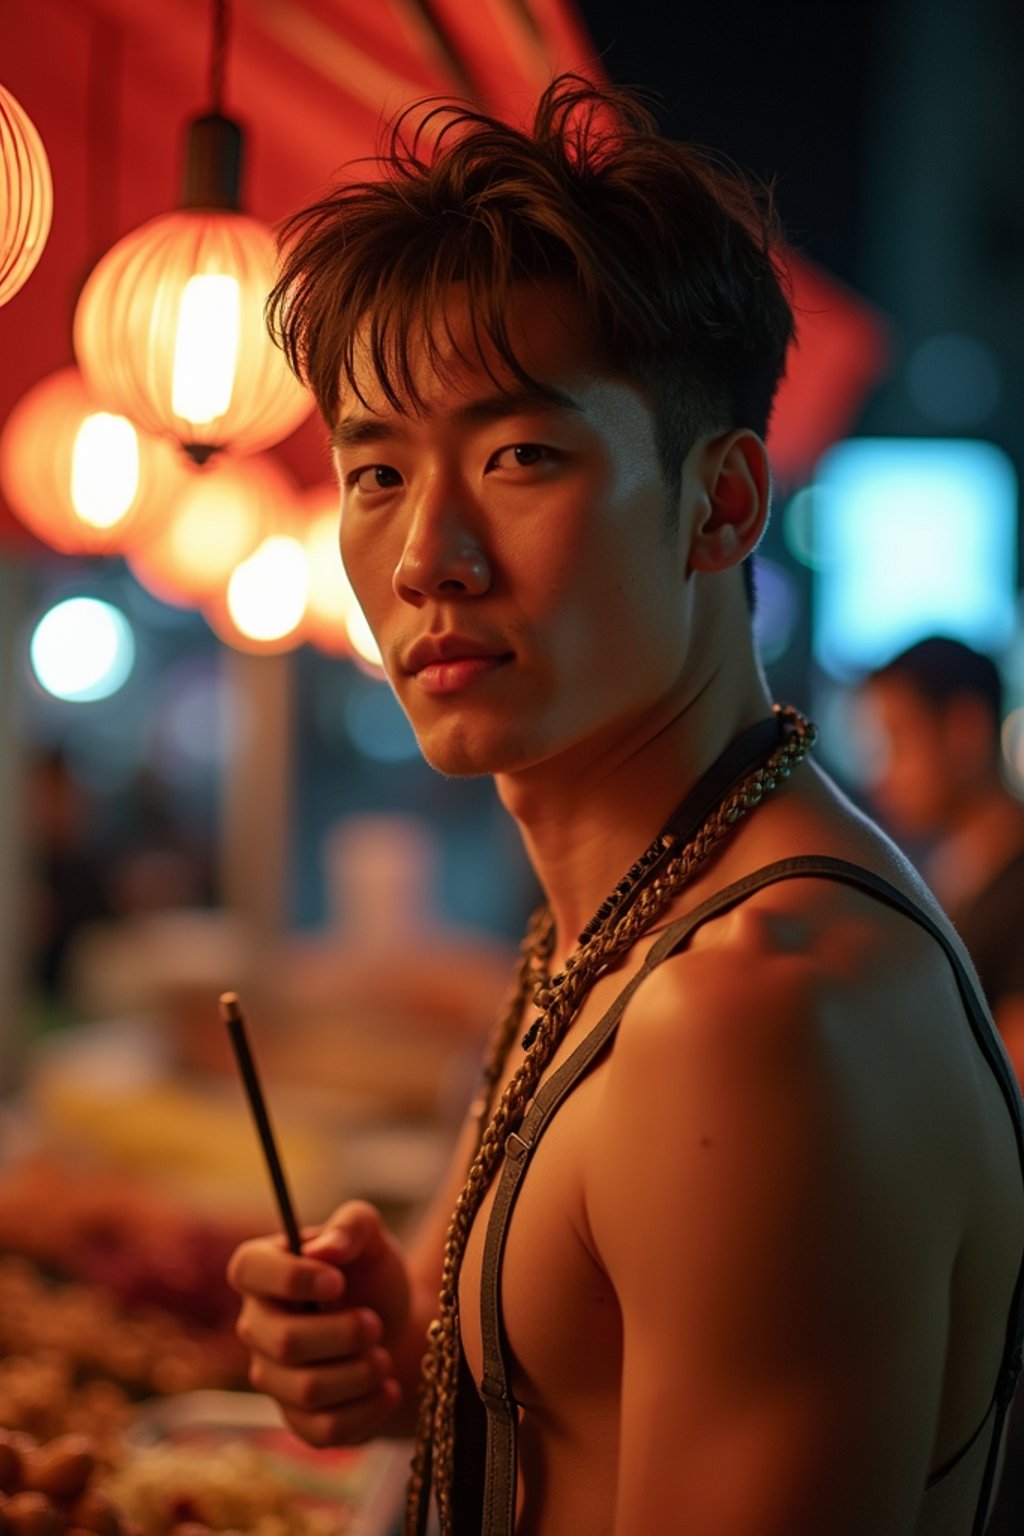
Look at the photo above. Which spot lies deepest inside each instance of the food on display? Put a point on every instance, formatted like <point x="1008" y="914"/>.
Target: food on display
<point x="102" y="1227"/>
<point x="67" y="1487"/>
<point x="48" y="1489"/>
<point x="179" y="1490"/>
<point x="72" y="1358"/>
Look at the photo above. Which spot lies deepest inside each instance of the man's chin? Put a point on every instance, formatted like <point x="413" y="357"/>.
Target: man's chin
<point x="459" y="757"/>
<point x="457" y="765"/>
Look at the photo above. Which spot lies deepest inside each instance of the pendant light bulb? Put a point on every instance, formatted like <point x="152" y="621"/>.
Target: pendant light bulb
<point x="206" y="348"/>
<point x="169" y="329"/>
<point x="104" y="469"/>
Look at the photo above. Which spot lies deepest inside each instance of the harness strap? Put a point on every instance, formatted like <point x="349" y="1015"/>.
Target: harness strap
<point x="502" y="1412"/>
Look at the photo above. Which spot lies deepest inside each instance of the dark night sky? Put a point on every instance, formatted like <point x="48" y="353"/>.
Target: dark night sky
<point x="780" y="88"/>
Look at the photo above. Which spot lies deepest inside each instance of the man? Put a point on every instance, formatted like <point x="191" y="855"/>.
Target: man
<point x="759" y="1276"/>
<point x="938" y="708"/>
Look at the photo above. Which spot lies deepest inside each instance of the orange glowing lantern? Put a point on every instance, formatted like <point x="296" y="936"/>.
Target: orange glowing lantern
<point x="82" y="479"/>
<point x="26" y="196"/>
<point x="169" y="330"/>
<point x="224" y="512"/>
<point x="263" y="607"/>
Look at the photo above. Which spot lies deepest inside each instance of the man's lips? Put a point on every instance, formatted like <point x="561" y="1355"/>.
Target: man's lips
<point x="433" y="650"/>
<point x="449" y="663"/>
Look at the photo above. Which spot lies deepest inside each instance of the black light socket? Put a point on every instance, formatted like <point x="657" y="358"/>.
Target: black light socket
<point x="213" y="163"/>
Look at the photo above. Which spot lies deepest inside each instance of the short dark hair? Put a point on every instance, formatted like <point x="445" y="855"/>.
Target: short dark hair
<point x="941" y="669"/>
<point x="675" y="253"/>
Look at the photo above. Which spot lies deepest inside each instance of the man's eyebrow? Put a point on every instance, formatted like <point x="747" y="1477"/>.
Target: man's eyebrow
<point x="353" y="431"/>
<point x="530" y="400"/>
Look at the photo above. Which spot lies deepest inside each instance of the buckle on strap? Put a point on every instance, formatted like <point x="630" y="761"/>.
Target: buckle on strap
<point x="496" y="1397"/>
<point x="515" y="1147"/>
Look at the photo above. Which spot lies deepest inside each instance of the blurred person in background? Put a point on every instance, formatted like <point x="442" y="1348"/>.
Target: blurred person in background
<point x="762" y="1274"/>
<point x="68" y="876"/>
<point x="940" y="787"/>
<point x="160" y="859"/>
<point x="97" y="867"/>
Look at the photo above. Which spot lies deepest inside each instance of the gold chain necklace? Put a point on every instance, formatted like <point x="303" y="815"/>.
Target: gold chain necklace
<point x="791" y="751"/>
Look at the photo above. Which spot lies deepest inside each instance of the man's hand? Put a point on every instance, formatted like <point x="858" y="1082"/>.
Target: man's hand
<point x="331" y="1370"/>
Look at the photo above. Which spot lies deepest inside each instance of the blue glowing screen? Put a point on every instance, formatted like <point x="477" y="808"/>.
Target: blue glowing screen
<point x="913" y="537"/>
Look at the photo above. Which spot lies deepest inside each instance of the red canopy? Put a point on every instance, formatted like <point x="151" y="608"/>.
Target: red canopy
<point x="110" y="84"/>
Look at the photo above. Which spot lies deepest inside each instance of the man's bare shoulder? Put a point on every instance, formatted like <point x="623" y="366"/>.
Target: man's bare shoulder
<point x="809" y="1028"/>
<point x="802" y="954"/>
<point x="807" y="951"/>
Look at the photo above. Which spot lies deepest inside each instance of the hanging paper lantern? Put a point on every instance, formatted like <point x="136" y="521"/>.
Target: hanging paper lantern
<point x="334" y="620"/>
<point x="224" y="511"/>
<point x="169" y="330"/>
<point x="84" y="481"/>
<point x="263" y="607"/>
<point x="26" y="196"/>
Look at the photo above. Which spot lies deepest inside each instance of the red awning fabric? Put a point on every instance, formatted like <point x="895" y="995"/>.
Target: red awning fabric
<point x="111" y="84"/>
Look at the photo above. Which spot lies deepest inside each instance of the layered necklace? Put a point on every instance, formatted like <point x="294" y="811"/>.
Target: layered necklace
<point x="734" y="784"/>
<point x="752" y="767"/>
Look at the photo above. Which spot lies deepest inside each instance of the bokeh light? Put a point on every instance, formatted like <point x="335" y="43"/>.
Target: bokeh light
<point x="799" y="530"/>
<point x="82" y="649"/>
<point x="915" y="536"/>
<point x="221" y="515"/>
<point x="267" y="593"/>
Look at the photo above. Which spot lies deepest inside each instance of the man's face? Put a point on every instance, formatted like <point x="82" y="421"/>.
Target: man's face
<point x="915" y="784"/>
<point x="515" y="553"/>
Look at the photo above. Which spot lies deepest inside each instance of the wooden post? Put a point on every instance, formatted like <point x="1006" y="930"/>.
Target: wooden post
<point x="255" y="841"/>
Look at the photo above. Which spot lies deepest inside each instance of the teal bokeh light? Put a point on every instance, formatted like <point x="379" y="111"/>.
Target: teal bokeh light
<point x="82" y="649"/>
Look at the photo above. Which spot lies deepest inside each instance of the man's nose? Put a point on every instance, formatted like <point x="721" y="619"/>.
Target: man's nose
<point x="443" y="556"/>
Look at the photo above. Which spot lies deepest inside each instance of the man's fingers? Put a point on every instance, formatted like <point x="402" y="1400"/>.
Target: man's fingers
<point x="301" y="1339"/>
<point x="351" y="1232"/>
<point x="319" y="1389"/>
<point x="263" y="1268"/>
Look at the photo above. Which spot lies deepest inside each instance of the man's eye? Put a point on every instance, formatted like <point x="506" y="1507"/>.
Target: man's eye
<point x="521" y="456"/>
<point x="373" y="477"/>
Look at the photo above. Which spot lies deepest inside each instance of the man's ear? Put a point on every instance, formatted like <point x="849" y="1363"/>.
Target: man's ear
<point x="736" y="490"/>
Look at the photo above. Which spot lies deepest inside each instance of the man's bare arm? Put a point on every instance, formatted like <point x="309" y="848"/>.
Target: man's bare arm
<point x="756" y="1198"/>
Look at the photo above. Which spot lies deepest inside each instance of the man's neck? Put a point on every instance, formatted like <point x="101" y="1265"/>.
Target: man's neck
<point x="585" y="817"/>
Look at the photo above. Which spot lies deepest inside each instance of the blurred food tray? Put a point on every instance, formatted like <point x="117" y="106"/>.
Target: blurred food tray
<point x="367" y="1483"/>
